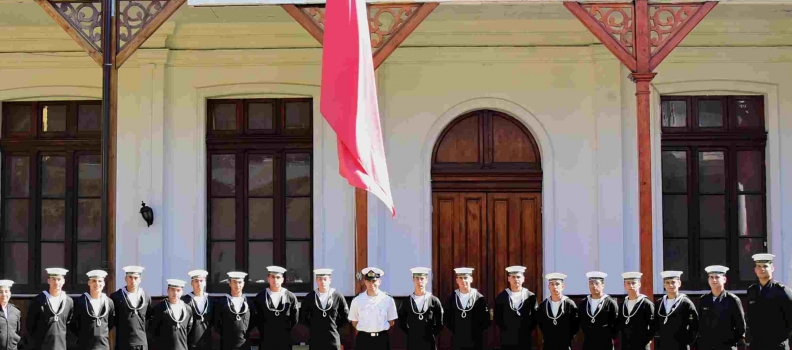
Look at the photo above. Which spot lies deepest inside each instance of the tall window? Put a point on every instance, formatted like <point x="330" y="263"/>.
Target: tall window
<point x="259" y="191"/>
<point x="51" y="192"/>
<point x="713" y="166"/>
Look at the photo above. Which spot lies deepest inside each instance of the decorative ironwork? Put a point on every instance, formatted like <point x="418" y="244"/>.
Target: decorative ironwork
<point x="665" y="20"/>
<point x="134" y="16"/>
<point x="85" y="17"/>
<point x="316" y="13"/>
<point x="618" y="20"/>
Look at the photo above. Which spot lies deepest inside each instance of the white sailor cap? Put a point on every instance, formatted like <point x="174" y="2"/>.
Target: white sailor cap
<point x="176" y="283"/>
<point x="6" y="284"/>
<point x="763" y="258"/>
<point x="275" y="270"/>
<point x="632" y="275"/>
<point x="96" y="274"/>
<point x="716" y="269"/>
<point x="464" y="271"/>
<point x="372" y="273"/>
<point x="596" y="275"/>
<point x="555" y="276"/>
<point x="198" y="274"/>
<point x="420" y="271"/>
<point x="670" y="274"/>
<point x="323" y="272"/>
<point x="236" y="275"/>
<point x="515" y="270"/>
<point x="57" y="271"/>
<point x="134" y="270"/>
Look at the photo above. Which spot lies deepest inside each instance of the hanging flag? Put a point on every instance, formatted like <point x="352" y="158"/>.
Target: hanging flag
<point x="349" y="98"/>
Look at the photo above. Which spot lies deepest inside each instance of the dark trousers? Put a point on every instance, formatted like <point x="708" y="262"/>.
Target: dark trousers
<point x="136" y="347"/>
<point x="372" y="341"/>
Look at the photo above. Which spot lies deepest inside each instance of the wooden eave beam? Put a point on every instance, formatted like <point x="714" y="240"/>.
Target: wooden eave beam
<point x="602" y="35"/>
<point x="148" y="30"/>
<point x="75" y="34"/>
<point x="306" y="22"/>
<point x="677" y="37"/>
<point x="403" y="32"/>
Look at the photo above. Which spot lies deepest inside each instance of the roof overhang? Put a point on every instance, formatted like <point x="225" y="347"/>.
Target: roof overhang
<point x="463" y="2"/>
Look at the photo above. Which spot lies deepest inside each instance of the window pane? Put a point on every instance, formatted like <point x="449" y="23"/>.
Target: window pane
<point x="298" y="262"/>
<point x="90" y="176"/>
<point x="747" y="248"/>
<point x="712" y="216"/>
<point x="712" y="172"/>
<point x="18" y="118"/>
<point x="260" y="212"/>
<point x="674" y="114"/>
<point x="53" y="220"/>
<point x="747" y="113"/>
<point x="260" y="116"/>
<point x="17" y="219"/>
<point x="19" y="177"/>
<point x="90" y="258"/>
<point x="675" y="216"/>
<point x="298" y="218"/>
<point x="675" y="255"/>
<point x="16" y="262"/>
<point x="52" y="255"/>
<point x="749" y="170"/>
<point x="713" y="252"/>
<point x="53" y="176"/>
<point x="223" y="218"/>
<point x="259" y="257"/>
<point x="224" y="116"/>
<point x="298" y="174"/>
<point x="298" y="115"/>
<point x="89" y="117"/>
<point x="750" y="215"/>
<point x="260" y="175"/>
<point x="674" y="165"/>
<point x="53" y="118"/>
<point x="89" y="219"/>
<point x="222" y="260"/>
<point x="223" y="175"/>
<point x="710" y="114"/>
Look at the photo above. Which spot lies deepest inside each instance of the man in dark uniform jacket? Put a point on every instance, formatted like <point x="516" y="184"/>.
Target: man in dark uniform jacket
<point x="515" y="308"/>
<point x="275" y="311"/>
<point x="636" y="317"/>
<point x="172" y="320"/>
<point x="133" y="312"/>
<point x="200" y="337"/>
<point x="324" y="311"/>
<point x="233" y="316"/>
<point x="676" y="318"/>
<point x="467" y="314"/>
<point x="49" y="314"/>
<point x="599" y="315"/>
<point x="94" y="315"/>
<point x="721" y="312"/>
<point x="10" y="318"/>
<point x="557" y="316"/>
<point x="421" y="315"/>
<point x="769" y="308"/>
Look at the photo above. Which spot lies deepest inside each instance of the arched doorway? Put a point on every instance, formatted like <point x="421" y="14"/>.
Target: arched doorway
<point x="486" y="203"/>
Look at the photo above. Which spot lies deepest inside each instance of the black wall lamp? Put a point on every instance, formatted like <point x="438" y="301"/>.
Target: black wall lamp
<point x="147" y="213"/>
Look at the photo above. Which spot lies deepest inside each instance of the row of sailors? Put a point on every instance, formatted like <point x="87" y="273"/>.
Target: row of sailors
<point x="186" y="321"/>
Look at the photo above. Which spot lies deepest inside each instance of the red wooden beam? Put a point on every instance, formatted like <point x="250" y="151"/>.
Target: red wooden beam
<point x="594" y="26"/>
<point x="403" y="32"/>
<point x="308" y="23"/>
<point x="680" y="34"/>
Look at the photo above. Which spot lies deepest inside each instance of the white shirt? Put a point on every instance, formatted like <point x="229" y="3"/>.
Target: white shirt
<point x="177" y="309"/>
<point x="5" y="311"/>
<point x="593" y="303"/>
<point x="96" y="304"/>
<point x="372" y="313"/>
<point x="517" y="297"/>
<point x="200" y="302"/>
<point x="554" y="305"/>
<point x="669" y="303"/>
<point x="324" y="297"/>
<point x="237" y="302"/>
<point x="464" y="299"/>
<point x="275" y="297"/>
<point x="631" y="304"/>
<point x="420" y="301"/>
<point x="133" y="298"/>
<point x="55" y="302"/>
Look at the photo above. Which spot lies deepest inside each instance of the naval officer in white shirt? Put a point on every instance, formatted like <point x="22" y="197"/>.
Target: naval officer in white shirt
<point x="372" y="313"/>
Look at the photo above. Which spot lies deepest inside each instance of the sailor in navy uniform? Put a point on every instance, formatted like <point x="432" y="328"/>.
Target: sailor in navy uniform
<point x="324" y="311"/>
<point x="233" y="316"/>
<point x="94" y="315"/>
<point x="275" y="311"/>
<point x="722" y="322"/>
<point x="557" y="316"/>
<point x="769" y="308"/>
<point x="636" y="317"/>
<point x="421" y="315"/>
<point x="467" y="313"/>
<point x="200" y="337"/>
<point x="10" y="318"/>
<point x="133" y="311"/>
<point x="514" y="311"/>
<point x="599" y="315"/>
<point x="172" y="320"/>
<point x="372" y="313"/>
<point x="676" y="319"/>
<point x="49" y="314"/>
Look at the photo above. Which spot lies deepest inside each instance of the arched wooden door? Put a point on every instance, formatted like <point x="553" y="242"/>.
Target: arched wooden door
<point x="486" y="205"/>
